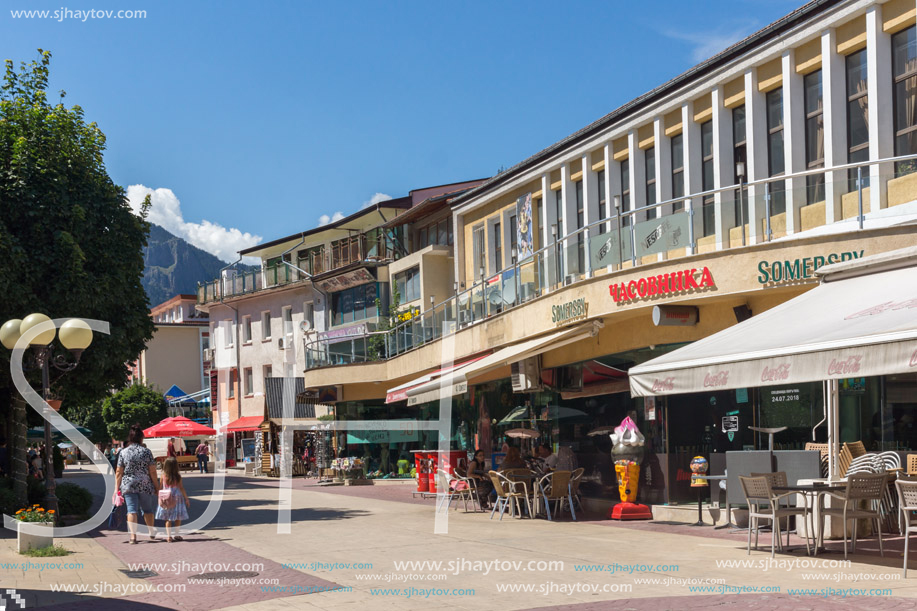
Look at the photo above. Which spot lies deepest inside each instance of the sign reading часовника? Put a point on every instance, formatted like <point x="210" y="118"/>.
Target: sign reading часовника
<point x="663" y="284"/>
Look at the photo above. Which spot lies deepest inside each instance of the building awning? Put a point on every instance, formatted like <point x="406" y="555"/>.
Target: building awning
<point x="245" y="423"/>
<point x="276" y="390"/>
<point x="456" y="381"/>
<point x="860" y="321"/>
<point x="400" y="393"/>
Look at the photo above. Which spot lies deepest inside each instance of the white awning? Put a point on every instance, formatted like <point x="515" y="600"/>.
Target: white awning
<point x="849" y="326"/>
<point x="455" y="381"/>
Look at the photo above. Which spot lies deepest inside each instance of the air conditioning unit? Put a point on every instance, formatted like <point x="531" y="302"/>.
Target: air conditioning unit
<point x="208" y="354"/>
<point x="281" y="343"/>
<point x="526" y="374"/>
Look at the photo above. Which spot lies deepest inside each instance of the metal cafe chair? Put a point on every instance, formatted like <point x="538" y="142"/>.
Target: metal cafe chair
<point x="507" y="495"/>
<point x="446" y="493"/>
<point x="867" y="487"/>
<point x="907" y="504"/>
<point x="758" y="493"/>
<point x="556" y="486"/>
<point x="776" y="480"/>
<point x="467" y="489"/>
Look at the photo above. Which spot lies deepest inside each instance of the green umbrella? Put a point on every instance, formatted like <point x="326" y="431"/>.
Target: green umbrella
<point x="38" y="432"/>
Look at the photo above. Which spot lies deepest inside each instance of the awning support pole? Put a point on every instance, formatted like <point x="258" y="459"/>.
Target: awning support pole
<point x="833" y="448"/>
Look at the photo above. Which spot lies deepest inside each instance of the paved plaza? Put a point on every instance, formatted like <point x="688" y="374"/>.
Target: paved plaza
<point x="347" y="545"/>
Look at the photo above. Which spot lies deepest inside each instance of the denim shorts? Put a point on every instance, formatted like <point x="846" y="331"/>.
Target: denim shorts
<point x="140" y="501"/>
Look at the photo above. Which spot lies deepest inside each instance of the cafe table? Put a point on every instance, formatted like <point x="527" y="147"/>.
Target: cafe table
<point x="816" y="492"/>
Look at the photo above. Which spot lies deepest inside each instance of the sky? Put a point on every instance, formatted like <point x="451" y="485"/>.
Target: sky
<point x="249" y="121"/>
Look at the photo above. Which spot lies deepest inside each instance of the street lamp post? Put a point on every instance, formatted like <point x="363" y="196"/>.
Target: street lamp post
<point x="75" y="335"/>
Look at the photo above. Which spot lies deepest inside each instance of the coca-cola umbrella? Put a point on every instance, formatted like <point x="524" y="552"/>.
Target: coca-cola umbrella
<point x="178" y="426"/>
<point x="523" y="433"/>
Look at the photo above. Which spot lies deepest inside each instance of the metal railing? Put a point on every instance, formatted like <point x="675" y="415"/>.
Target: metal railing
<point x="355" y="249"/>
<point x="608" y="244"/>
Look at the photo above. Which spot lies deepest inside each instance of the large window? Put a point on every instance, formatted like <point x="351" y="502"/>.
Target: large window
<point x="678" y="170"/>
<point x="815" y="136"/>
<point x="857" y="116"/>
<point x="706" y="153"/>
<point x="649" y="164"/>
<point x="435" y="233"/>
<point x="559" y="210"/>
<point x="407" y="283"/>
<point x="739" y="155"/>
<point x="354" y="304"/>
<point x="498" y="247"/>
<point x="904" y="66"/>
<point x="602" y="202"/>
<point x="625" y="190"/>
<point x="775" y="157"/>
<point x="477" y="244"/>
<point x="580" y="223"/>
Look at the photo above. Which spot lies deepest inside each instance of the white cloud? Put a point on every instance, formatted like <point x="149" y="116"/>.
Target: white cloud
<point x="707" y="44"/>
<point x="334" y="218"/>
<point x="375" y="199"/>
<point x="212" y="237"/>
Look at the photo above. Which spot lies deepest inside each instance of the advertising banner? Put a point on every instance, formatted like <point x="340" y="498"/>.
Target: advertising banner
<point x="525" y="242"/>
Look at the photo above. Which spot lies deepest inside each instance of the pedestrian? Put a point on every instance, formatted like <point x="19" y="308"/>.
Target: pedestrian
<point x="203" y="455"/>
<point x="173" y="500"/>
<point x="170" y="450"/>
<point x="136" y="480"/>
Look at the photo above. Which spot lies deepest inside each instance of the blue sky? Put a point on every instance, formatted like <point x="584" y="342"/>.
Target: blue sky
<point x="252" y="120"/>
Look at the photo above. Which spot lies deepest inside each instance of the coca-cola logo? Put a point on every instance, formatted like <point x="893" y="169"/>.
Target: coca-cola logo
<point x="847" y="366"/>
<point x="663" y="385"/>
<point x="913" y="361"/>
<point x="720" y="378"/>
<point x="780" y="372"/>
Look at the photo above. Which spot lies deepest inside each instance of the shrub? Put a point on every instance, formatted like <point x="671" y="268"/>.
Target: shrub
<point x="36" y="491"/>
<point x="8" y="502"/>
<point x="72" y="500"/>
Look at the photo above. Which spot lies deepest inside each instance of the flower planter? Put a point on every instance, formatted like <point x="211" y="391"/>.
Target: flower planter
<point x="28" y="541"/>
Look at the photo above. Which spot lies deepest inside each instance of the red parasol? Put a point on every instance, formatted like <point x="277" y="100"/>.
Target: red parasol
<point x="178" y="426"/>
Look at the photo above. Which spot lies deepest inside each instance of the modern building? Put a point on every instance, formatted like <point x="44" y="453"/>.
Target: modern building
<point x="315" y="293"/>
<point x="178" y="354"/>
<point x="710" y="199"/>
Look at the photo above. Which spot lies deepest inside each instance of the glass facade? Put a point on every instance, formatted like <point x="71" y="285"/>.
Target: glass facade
<point x="857" y="116"/>
<point x="904" y="69"/>
<point x="706" y="142"/>
<point x="775" y="155"/>
<point x="815" y="136"/>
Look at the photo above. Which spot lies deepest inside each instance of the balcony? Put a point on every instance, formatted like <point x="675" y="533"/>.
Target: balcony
<point x="714" y="220"/>
<point x="371" y="248"/>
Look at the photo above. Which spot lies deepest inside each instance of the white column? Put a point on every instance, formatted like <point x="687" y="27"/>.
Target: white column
<point x="663" y="165"/>
<point x="612" y="183"/>
<point x="637" y="176"/>
<point x="693" y="170"/>
<point x="590" y="209"/>
<point x="756" y="151"/>
<point x="834" y="99"/>
<point x="879" y="87"/>
<point x="568" y="188"/>
<point x="794" y="140"/>
<point x="723" y="172"/>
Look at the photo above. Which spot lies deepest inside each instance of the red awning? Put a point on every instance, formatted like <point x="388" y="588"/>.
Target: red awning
<point x="245" y="423"/>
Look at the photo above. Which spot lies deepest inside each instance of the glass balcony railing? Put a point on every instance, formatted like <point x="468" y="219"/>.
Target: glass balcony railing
<point x="368" y="247"/>
<point x="724" y="218"/>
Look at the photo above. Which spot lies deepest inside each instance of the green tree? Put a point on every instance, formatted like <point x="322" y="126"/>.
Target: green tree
<point x="89" y="416"/>
<point x="69" y="243"/>
<point x="136" y="404"/>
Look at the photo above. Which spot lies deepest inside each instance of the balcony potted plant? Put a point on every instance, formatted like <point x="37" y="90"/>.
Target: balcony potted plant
<point x="34" y="516"/>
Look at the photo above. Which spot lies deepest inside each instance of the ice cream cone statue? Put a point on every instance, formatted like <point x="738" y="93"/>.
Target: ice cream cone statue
<point x="627" y="455"/>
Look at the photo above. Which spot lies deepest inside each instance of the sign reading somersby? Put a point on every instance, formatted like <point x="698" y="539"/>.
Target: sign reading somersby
<point x="571" y="310"/>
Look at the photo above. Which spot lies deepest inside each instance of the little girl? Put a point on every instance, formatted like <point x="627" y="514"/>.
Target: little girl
<point x="173" y="501"/>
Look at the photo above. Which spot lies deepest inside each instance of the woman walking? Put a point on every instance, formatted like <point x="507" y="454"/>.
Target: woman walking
<point x="173" y="501"/>
<point x="136" y="480"/>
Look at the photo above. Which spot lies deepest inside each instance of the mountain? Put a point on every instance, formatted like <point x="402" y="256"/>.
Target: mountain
<point x="174" y="266"/>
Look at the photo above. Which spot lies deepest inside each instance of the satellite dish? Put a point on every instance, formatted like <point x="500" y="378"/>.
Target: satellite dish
<point x="509" y="292"/>
<point x="305" y="326"/>
<point x="495" y="296"/>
